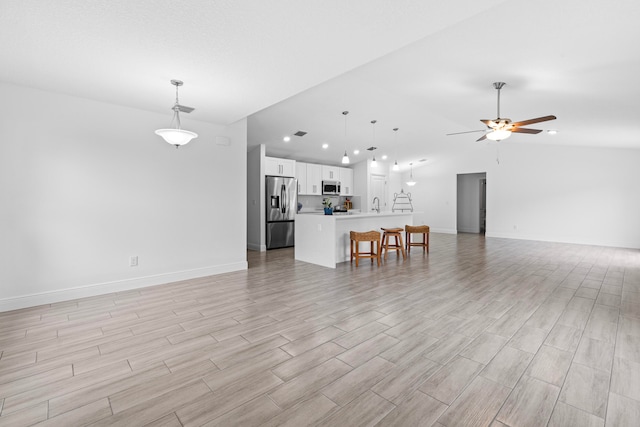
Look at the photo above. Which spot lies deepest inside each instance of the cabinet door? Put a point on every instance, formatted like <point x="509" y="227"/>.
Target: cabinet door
<point x="301" y="176"/>
<point x="330" y="173"/>
<point x="280" y="167"/>
<point x="288" y="167"/>
<point x="314" y="179"/>
<point x="272" y="166"/>
<point x="346" y="182"/>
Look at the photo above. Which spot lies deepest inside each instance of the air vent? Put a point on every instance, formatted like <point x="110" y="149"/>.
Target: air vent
<point x="300" y="133"/>
<point x="184" y="109"/>
<point x="422" y="160"/>
<point x="372" y="148"/>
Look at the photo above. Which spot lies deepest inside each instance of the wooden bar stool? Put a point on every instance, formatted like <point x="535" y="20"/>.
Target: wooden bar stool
<point x="417" y="229"/>
<point x="398" y="246"/>
<point x="367" y="236"/>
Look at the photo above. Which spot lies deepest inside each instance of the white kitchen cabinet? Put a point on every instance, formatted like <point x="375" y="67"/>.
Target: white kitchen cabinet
<point x="330" y="173"/>
<point x="280" y="167"/>
<point x="309" y="178"/>
<point x="314" y="179"/>
<point x="346" y="181"/>
<point x="301" y="176"/>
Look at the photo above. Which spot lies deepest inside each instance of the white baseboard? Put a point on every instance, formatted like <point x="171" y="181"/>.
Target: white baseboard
<point x="256" y="247"/>
<point x="51" y="297"/>
<point x="566" y="239"/>
<point x="443" y="230"/>
<point x="468" y="230"/>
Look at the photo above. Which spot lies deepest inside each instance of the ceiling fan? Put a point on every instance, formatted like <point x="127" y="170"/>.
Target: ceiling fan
<point x="500" y="128"/>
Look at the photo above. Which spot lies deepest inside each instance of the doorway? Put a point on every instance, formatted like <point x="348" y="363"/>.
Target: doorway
<point x="472" y="203"/>
<point x="379" y="190"/>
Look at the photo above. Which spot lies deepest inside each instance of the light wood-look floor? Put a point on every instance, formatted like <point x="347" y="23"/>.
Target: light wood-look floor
<point x="479" y="332"/>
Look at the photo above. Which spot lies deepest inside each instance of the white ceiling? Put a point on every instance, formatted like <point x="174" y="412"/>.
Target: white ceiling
<point x="423" y="66"/>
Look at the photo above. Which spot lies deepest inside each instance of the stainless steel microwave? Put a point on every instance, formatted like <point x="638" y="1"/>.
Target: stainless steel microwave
<point x="331" y="188"/>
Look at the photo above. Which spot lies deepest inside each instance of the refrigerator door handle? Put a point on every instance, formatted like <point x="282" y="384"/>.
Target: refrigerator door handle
<point x="283" y="197"/>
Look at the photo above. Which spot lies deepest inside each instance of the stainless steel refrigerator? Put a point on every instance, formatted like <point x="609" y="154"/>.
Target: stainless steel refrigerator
<point x="281" y="209"/>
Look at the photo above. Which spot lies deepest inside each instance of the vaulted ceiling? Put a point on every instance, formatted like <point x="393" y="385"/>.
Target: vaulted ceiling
<point x="425" y="67"/>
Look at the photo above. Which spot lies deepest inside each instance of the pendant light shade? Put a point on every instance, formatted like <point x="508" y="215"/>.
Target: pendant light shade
<point x="411" y="182"/>
<point x="177" y="136"/>
<point x="345" y="158"/>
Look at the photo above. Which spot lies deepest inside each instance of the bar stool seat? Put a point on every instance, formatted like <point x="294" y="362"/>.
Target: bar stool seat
<point x="396" y="233"/>
<point x="417" y="229"/>
<point x="367" y="236"/>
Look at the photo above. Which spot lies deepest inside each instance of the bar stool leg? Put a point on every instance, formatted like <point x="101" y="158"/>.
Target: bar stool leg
<point x="404" y="254"/>
<point x="371" y="249"/>
<point x="385" y="245"/>
<point x="351" y="249"/>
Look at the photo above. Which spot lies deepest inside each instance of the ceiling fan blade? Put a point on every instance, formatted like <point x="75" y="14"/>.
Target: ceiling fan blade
<point x="532" y="121"/>
<point x="487" y="122"/>
<point x="483" y="137"/>
<point x="469" y="131"/>
<point x="525" y="130"/>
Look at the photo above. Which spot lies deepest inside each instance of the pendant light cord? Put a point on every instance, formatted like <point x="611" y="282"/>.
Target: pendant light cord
<point x="176" y="110"/>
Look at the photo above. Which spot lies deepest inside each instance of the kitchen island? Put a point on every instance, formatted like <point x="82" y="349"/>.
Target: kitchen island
<point x="324" y="239"/>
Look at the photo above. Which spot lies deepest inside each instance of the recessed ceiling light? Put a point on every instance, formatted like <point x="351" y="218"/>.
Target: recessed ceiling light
<point x="325" y="146"/>
<point x="552" y="131"/>
<point x="384" y="157"/>
<point x="356" y="152"/>
<point x="286" y="138"/>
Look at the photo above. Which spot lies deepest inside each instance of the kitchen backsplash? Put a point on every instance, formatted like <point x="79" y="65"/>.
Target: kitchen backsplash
<point x="314" y="203"/>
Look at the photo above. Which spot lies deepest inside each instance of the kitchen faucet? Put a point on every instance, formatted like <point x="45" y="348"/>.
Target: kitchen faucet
<point x="376" y="207"/>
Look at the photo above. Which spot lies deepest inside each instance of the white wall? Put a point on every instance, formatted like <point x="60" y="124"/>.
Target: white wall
<point x="85" y="185"/>
<point x="541" y="192"/>
<point x="255" y="199"/>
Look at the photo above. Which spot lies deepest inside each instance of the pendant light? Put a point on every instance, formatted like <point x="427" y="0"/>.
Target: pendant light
<point x="411" y="182"/>
<point x="374" y="164"/>
<point x="177" y="136"/>
<point x="395" y="167"/>
<point x="345" y="158"/>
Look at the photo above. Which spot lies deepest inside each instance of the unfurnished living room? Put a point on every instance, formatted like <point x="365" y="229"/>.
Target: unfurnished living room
<point x="136" y="287"/>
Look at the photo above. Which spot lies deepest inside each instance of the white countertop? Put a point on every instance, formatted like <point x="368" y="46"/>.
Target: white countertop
<point x="353" y="215"/>
<point x="369" y="215"/>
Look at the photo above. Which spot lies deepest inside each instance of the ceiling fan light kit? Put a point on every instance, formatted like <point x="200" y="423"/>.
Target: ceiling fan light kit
<point x="498" y="135"/>
<point x="177" y="136"/>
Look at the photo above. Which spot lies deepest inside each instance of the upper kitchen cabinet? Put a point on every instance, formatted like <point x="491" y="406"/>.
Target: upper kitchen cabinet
<point x="314" y="179"/>
<point x="309" y="178"/>
<point x="301" y="176"/>
<point x="346" y="181"/>
<point x="330" y="173"/>
<point x="280" y="167"/>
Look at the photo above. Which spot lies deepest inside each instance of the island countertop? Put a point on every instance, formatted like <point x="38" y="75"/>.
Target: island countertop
<point x="324" y="239"/>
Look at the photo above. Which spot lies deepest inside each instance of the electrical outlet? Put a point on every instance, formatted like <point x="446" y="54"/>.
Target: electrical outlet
<point x="133" y="261"/>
